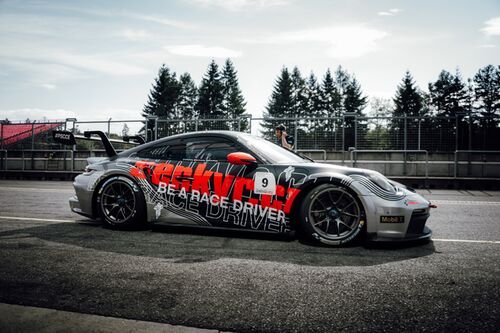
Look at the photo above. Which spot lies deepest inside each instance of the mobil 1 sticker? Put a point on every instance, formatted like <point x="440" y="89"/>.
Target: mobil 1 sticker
<point x="264" y="183"/>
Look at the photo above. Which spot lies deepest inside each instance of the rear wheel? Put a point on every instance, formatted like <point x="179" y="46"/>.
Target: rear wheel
<point x="121" y="203"/>
<point x="332" y="215"/>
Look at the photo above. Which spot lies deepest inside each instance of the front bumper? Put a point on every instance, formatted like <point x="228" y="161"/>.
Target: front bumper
<point x="397" y="221"/>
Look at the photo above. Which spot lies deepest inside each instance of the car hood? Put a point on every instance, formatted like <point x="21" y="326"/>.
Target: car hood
<point x="344" y="170"/>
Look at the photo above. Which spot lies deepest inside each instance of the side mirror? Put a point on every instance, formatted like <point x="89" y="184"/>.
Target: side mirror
<point x="241" y="159"/>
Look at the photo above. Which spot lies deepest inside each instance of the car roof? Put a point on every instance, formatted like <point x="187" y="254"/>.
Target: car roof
<point x="228" y="134"/>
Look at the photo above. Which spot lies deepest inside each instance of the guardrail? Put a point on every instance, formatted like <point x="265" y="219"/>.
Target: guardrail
<point x="313" y="151"/>
<point x="31" y="158"/>
<point x="353" y="156"/>
<point x="455" y="167"/>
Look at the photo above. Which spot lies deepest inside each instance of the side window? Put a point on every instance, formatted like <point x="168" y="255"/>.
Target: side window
<point x="210" y="148"/>
<point x="171" y="150"/>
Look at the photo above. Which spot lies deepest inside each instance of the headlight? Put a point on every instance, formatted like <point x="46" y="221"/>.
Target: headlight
<point x="382" y="182"/>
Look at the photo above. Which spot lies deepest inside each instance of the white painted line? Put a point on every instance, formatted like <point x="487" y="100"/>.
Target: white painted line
<point x="36" y="189"/>
<point x="33" y="219"/>
<point x="465" y="241"/>
<point x="466" y="203"/>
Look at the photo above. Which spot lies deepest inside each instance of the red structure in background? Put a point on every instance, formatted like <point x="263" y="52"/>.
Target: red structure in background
<point x="12" y="133"/>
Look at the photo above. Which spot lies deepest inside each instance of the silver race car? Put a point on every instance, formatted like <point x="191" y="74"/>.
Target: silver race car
<point x="234" y="180"/>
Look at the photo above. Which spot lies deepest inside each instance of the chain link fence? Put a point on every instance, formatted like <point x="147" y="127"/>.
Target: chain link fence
<point x="336" y="134"/>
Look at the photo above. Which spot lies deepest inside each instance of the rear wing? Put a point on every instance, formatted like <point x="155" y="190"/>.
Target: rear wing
<point x="69" y="139"/>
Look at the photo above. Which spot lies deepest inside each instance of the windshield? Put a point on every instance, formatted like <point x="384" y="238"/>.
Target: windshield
<point x="271" y="151"/>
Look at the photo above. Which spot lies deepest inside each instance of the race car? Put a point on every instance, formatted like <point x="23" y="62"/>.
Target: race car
<point x="234" y="180"/>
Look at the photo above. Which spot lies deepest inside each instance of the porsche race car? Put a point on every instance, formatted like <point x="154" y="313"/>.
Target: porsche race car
<point x="234" y="180"/>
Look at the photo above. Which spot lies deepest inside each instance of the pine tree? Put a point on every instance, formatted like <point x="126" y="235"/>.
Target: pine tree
<point x="299" y="95"/>
<point x="487" y="91"/>
<point x="188" y="97"/>
<point x="487" y="96"/>
<point x="354" y="103"/>
<point x="331" y="106"/>
<point x="408" y="103"/>
<point x="331" y="99"/>
<point x="210" y="98"/>
<point x="280" y="104"/>
<point x="448" y="94"/>
<point x="233" y="103"/>
<point x="311" y="129"/>
<point x="448" y="97"/>
<point x="162" y="100"/>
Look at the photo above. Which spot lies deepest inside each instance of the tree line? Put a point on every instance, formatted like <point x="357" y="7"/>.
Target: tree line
<point x="453" y="113"/>
<point x="180" y="100"/>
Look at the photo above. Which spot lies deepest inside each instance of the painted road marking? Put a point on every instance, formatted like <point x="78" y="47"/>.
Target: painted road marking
<point x="37" y="189"/>
<point x="33" y="219"/>
<point x="465" y="203"/>
<point x="465" y="241"/>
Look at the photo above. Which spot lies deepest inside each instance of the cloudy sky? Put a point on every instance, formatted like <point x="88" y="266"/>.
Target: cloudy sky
<point x="97" y="59"/>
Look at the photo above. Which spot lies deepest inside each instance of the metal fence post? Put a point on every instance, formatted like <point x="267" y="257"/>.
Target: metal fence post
<point x="109" y="126"/>
<point x="296" y="136"/>
<point x="32" y="145"/>
<point x="343" y="134"/>
<point x="456" y="132"/>
<point x="196" y="125"/>
<point x="405" y="133"/>
<point x="156" y="128"/>
<point x="419" y="132"/>
<point x="355" y="132"/>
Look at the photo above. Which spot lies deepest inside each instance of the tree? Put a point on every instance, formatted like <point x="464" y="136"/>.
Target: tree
<point x="408" y="103"/>
<point x="125" y="130"/>
<point x="331" y="99"/>
<point x="162" y="100"/>
<point x="233" y="102"/>
<point x="354" y="103"/>
<point x="280" y="104"/>
<point x="188" y="97"/>
<point x="211" y="95"/>
<point x="448" y="97"/>
<point x="378" y="135"/>
<point x="487" y="96"/>
<point x="331" y="107"/>
<point x="312" y="130"/>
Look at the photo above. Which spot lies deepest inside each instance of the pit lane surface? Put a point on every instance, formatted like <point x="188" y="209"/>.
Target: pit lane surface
<point x="240" y="282"/>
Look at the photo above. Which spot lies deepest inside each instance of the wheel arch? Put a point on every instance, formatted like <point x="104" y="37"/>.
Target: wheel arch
<point x="103" y="179"/>
<point x="315" y="180"/>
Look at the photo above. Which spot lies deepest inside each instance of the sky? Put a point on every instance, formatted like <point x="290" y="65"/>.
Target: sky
<point x="98" y="59"/>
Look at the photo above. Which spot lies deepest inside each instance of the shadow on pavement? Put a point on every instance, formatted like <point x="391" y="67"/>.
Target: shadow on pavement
<point x="188" y="245"/>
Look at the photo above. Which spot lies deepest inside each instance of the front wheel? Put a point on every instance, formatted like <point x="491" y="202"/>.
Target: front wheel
<point x="331" y="215"/>
<point x="120" y="203"/>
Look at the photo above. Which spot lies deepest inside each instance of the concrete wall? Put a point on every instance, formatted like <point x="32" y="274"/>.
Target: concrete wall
<point x="476" y="165"/>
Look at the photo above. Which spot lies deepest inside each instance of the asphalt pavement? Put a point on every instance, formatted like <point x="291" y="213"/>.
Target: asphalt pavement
<point x="228" y="281"/>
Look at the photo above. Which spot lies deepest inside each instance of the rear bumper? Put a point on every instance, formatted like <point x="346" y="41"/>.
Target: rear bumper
<point x="74" y="204"/>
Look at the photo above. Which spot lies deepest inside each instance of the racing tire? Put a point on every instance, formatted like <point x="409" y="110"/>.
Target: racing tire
<point x="120" y="203"/>
<point x="332" y="215"/>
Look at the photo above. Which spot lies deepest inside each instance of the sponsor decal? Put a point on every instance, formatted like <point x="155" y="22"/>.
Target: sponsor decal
<point x="221" y="197"/>
<point x="392" y="219"/>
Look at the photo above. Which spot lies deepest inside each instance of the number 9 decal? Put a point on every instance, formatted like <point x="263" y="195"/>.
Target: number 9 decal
<point x="264" y="183"/>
